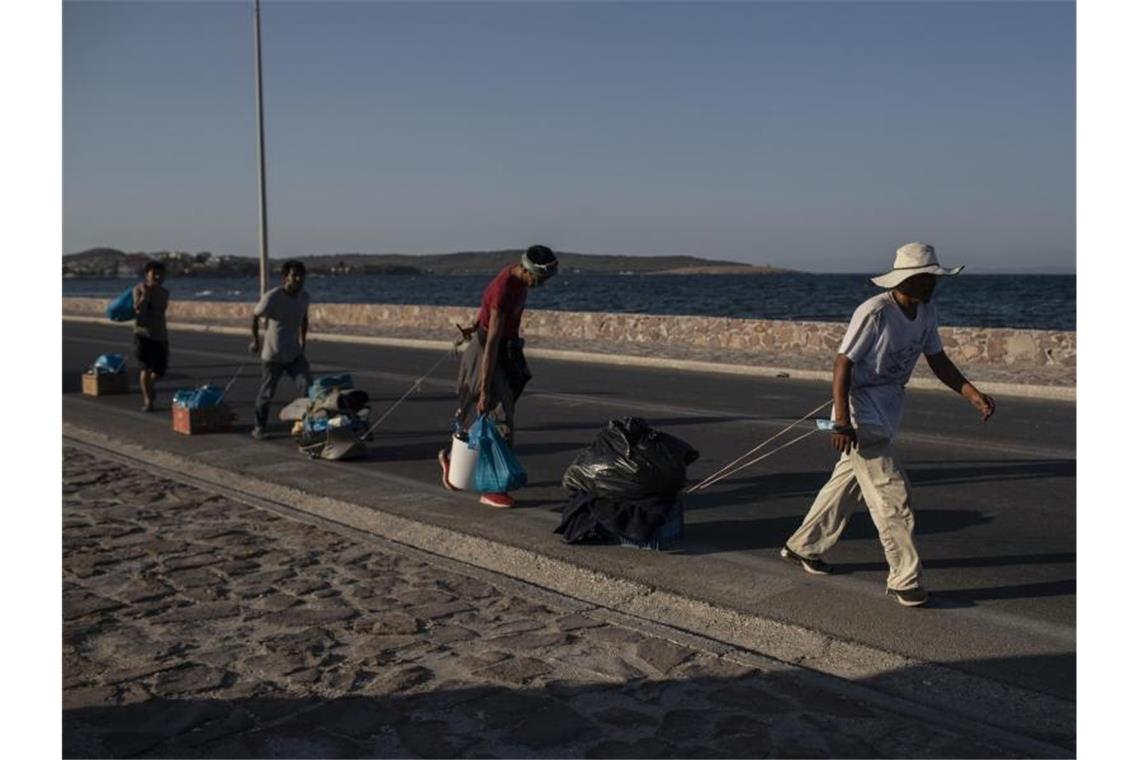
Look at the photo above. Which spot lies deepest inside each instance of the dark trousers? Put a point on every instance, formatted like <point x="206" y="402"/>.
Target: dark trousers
<point x="502" y="400"/>
<point x="298" y="371"/>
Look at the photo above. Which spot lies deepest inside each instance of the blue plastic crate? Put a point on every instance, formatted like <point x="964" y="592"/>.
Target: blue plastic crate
<point x="668" y="536"/>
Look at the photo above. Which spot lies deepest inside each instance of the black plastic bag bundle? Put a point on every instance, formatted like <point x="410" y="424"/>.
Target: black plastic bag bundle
<point x="588" y="519"/>
<point x="630" y="460"/>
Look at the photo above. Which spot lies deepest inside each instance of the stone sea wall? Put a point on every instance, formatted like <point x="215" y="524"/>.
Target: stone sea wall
<point x="976" y="345"/>
<point x="708" y="338"/>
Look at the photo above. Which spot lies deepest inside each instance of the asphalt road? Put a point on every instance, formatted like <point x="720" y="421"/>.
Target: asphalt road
<point x="995" y="503"/>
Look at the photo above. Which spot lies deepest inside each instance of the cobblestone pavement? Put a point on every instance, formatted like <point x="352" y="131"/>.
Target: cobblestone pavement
<point x="199" y="626"/>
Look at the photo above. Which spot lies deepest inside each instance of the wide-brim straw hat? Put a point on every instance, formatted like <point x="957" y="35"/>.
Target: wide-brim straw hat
<point x="912" y="259"/>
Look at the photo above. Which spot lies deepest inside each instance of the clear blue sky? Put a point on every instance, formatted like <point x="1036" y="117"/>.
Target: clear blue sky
<point x="811" y="135"/>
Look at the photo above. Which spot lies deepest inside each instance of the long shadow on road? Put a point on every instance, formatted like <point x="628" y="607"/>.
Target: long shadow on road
<point x="1010" y="560"/>
<point x="758" y="488"/>
<point x="968" y="596"/>
<point x="777" y="714"/>
<point x="713" y="536"/>
<point x="656" y="422"/>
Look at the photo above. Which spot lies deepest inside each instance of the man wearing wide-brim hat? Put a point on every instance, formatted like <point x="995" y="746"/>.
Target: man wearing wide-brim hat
<point x="876" y="357"/>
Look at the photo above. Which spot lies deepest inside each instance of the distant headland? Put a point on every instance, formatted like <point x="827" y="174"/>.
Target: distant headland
<point x="111" y="262"/>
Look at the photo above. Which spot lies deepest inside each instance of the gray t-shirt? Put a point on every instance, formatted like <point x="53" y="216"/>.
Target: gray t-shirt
<point x="151" y="319"/>
<point x="884" y="345"/>
<point x="283" y="335"/>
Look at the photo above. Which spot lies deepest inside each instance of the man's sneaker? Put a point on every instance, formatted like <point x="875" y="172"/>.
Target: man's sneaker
<point x="813" y="566"/>
<point x="498" y="500"/>
<point x="445" y="467"/>
<point x="257" y="434"/>
<point x="909" y="597"/>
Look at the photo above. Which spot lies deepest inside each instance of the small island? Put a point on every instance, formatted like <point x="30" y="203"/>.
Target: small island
<point x="111" y="262"/>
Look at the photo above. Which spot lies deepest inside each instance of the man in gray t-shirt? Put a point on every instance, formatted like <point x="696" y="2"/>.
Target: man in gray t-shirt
<point x="286" y="313"/>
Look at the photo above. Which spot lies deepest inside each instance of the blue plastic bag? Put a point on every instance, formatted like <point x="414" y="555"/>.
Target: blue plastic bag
<point x="497" y="470"/>
<point x="206" y="397"/>
<point x="316" y="424"/>
<point x="122" y="309"/>
<point x="109" y="364"/>
<point x="324" y="383"/>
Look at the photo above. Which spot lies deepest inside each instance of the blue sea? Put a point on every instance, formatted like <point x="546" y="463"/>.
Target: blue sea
<point x="1047" y="302"/>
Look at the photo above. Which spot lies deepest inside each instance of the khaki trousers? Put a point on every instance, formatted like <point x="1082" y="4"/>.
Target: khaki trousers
<point x="870" y="473"/>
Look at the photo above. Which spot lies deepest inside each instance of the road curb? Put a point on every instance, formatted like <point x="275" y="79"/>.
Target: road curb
<point x="1019" y="390"/>
<point x="1014" y="713"/>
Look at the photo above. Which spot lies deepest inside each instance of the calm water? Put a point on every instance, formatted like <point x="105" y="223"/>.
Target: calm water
<point x="1047" y="302"/>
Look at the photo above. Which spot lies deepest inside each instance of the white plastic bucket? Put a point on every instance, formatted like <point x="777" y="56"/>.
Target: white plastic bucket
<point x="461" y="472"/>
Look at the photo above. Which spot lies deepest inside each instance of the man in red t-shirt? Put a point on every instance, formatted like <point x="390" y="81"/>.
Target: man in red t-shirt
<point x="493" y="370"/>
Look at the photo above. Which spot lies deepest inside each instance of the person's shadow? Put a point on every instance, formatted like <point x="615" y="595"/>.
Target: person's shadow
<point x="969" y="597"/>
<point x="759" y="488"/>
<point x="769" y="533"/>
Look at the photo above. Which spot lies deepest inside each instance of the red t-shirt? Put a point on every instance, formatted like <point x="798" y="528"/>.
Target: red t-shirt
<point x="507" y="295"/>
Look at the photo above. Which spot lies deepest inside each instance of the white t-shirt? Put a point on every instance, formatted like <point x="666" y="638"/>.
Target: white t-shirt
<point x="884" y="345"/>
<point x="283" y="335"/>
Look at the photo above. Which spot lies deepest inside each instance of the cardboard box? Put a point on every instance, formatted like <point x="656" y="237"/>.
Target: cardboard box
<point x="218" y="419"/>
<point x="104" y="384"/>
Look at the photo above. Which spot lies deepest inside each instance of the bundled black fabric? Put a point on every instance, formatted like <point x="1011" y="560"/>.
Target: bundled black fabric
<point x="592" y="519"/>
<point x="352" y="400"/>
<point x="336" y="400"/>
<point x="629" y="460"/>
<point x="513" y="361"/>
<point x="625" y="484"/>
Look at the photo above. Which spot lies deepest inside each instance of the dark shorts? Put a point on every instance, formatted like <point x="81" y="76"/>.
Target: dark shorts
<point x="152" y="354"/>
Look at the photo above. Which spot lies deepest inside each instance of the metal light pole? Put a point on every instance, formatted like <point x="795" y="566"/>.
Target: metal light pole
<point x="264" y="257"/>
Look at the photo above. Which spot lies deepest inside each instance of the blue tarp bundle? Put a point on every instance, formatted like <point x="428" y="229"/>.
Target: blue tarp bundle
<point x="206" y="397"/>
<point x="109" y="364"/>
<point x="122" y="309"/>
<point x="326" y="382"/>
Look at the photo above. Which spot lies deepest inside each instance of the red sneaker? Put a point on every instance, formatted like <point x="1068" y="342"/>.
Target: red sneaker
<point x="445" y="466"/>
<point x="497" y="500"/>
